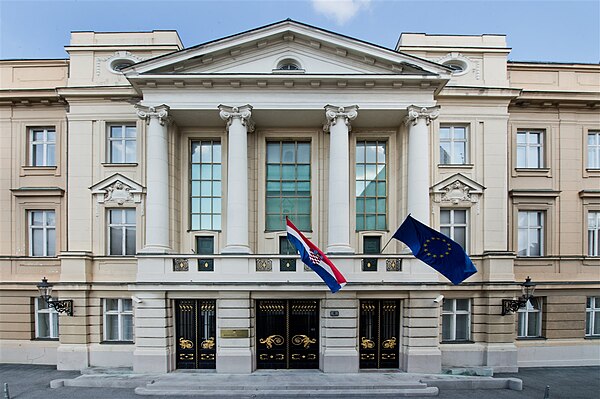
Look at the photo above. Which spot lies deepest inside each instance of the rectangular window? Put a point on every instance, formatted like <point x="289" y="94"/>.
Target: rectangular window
<point x="530" y="149"/>
<point x="594" y="233"/>
<point x="46" y="320"/>
<point x="530" y="319"/>
<point x="531" y="233"/>
<point x="371" y="190"/>
<point x="118" y="320"/>
<point x="453" y="223"/>
<point x="288" y="185"/>
<point x="122" y="143"/>
<point x="42" y="233"/>
<point x="453" y="145"/>
<point x="456" y="320"/>
<point x="205" y="185"/>
<point x="121" y="231"/>
<point x="593" y="149"/>
<point x="42" y="147"/>
<point x="205" y="245"/>
<point x="592" y="317"/>
<point x="372" y="245"/>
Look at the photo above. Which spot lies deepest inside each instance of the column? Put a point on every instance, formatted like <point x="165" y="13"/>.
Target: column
<point x="157" y="178"/>
<point x="338" y="126"/>
<point x="418" y="121"/>
<point x="239" y="123"/>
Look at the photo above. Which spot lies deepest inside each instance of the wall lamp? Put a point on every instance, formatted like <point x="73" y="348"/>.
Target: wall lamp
<point x="513" y="305"/>
<point x="65" y="306"/>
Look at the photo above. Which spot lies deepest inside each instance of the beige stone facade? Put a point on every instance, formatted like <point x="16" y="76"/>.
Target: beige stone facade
<point x="99" y="193"/>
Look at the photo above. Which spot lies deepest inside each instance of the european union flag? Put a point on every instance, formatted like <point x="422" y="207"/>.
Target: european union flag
<point x="438" y="251"/>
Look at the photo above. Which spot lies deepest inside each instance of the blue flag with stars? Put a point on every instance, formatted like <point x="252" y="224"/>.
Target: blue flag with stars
<point x="438" y="251"/>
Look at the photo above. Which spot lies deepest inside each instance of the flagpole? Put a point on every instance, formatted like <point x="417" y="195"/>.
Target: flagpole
<point x="386" y="244"/>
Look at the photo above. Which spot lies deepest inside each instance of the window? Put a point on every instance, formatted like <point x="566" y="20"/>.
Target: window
<point x="118" y="320"/>
<point x="205" y="245"/>
<point x="121" y="231"/>
<point x="453" y="223"/>
<point x="453" y="145"/>
<point x="530" y="319"/>
<point x="593" y="148"/>
<point x="530" y="149"/>
<point x="592" y="317"/>
<point x="289" y="65"/>
<point x="122" y="144"/>
<point x="42" y="233"/>
<point x="288" y="185"/>
<point x="372" y="245"/>
<point x="42" y="147"/>
<point x="206" y="185"/>
<point x="594" y="233"/>
<point x="456" y="320"/>
<point x="46" y="320"/>
<point x="371" y="190"/>
<point x="531" y="233"/>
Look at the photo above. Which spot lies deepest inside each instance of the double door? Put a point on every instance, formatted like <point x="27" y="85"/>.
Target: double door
<point x="195" y="333"/>
<point x="379" y="333"/>
<point x="287" y="334"/>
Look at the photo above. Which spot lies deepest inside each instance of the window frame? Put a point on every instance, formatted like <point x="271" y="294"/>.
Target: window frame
<point x="592" y="308"/>
<point x="31" y="146"/>
<point x="120" y="326"/>
<point x="523" y="319"/>
<point x="124" y="139"/>
<point x="528" y="145"/>
<point x="451" y="140"/>
<point x="215" y="185"/>
<point x="45" y="228"/>
<point x="53" y="318"/>
<point x="452" y="225"/>
<point x="453" y="317"/>
<point x="593" y="234"/>
<point x="541" y="228"/>
<point x="593" y="163"/>
<point x="363" y="195"/>
<point x="123" y="226"/>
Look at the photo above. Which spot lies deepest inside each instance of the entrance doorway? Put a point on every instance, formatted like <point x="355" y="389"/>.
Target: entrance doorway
<point x="196" y="338"/>
<point x="379" y="337"/>
<point x="287" y="334"/>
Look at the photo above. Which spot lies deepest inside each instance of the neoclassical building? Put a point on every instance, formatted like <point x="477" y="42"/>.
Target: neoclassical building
<point x="149" y="183"/>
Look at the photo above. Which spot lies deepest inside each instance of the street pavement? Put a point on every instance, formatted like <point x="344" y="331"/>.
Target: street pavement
<point x="33" y="382"/>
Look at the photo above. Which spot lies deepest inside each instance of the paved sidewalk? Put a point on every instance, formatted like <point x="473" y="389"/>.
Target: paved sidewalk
<point x="32" y="382"/>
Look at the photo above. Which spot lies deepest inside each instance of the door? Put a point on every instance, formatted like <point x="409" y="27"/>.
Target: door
<point x="379" y="333"/>
<point x="287" y="334"/>
<point x="195" y="333"/>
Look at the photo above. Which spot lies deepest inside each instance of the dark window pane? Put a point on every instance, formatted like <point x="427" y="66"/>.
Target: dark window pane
<point x="205" y="245"/>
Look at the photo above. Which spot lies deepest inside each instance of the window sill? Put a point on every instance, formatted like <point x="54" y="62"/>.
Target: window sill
<point x="531" y="338"/>
<point x="45" y="339"/>
<point x="29" y="170"/>
<point x="592" y="337"/>
<point x="532" y="171"/>
<point x="119" y="165"/>
<point x="455" y="165"/>
<point x="458" y="342"/>
<point x="117" y="343"/>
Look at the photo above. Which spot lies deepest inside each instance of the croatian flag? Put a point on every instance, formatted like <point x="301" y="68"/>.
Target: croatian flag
<point x="314" y="258"/>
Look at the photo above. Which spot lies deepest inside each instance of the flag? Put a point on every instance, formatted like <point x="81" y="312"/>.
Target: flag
<point x="438" y="251"/>
<point x="314" y="258"/>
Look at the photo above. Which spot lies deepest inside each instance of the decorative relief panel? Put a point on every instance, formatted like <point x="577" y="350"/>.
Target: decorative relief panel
<point x="393" y="265"/>
<point x="264" y="265"/>
<point x="458" y="190"/>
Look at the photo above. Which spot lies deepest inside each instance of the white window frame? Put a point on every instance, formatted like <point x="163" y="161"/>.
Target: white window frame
<point x="527" y="229"/>
<point x="123" y="140"/>
<point x="52" y="315"/>
<point x="44" y="143"/>
<point x="45" y="227"/>
<point x="592" y="311"/>
<point x="528" y="145"/>
<point x="523" y="319"/>
<point x="120" y="313"/>
<point x="123" y="226"/>
<point x="593" y="233"/>
<point x="452" y="140"/>
<point x="452" y="314"/>
<point x="453" y="225"/>
<point x="593" y="150"/>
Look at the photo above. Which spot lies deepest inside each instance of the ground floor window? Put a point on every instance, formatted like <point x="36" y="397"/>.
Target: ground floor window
<point x="592" y="317"/>
<point x="456" y="320"/>
<point x="118" y="320"/>
<point x="530" y="319"/>
<point x="46" y="320"/>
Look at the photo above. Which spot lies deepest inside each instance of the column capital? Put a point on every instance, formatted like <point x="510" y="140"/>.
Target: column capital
<point x="244" y="113"/>
<point x="161" y="112"/>
<point x="334" y="113"/>
<point x="428" y="113"/>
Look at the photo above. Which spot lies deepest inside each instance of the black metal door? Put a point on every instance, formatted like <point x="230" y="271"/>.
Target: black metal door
<point x="195" y="333"/>
<point x="379" y="333"/>
<point x="287" y="334"/>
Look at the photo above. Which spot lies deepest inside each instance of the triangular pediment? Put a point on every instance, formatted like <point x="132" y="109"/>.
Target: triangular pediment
<point x="262" y="50"/>
<point x="457" y="189"/>
<point x="117" y="188"/>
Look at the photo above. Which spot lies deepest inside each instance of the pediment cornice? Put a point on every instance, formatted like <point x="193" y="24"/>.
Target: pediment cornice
<point x="117" y="189"/>
<point x="458" y="190"/>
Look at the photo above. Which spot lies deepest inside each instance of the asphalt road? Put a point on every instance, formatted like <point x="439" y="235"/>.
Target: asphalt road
<point x="32" y="382"/>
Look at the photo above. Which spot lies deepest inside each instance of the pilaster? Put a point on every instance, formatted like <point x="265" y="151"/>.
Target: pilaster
<point x="420" y="344"/>
<point x="339" y="334"/>
<point x="234" y="355"/>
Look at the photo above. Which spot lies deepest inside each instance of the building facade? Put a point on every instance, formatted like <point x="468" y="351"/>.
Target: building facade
<point x="150" y="184"/>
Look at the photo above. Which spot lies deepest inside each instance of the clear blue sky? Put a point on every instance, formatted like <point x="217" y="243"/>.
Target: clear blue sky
<point x="542" y="30"/>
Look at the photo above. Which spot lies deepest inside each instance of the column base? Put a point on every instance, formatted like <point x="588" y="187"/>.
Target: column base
<point x="423" y="360"/>
<point x="72" y="357"/>
<point x="340" y="249"/>
<point x="340" y="361"/>
<point x="234" y="361"/>
<point x="236" y="249"/>
<point x="152" y="361"/>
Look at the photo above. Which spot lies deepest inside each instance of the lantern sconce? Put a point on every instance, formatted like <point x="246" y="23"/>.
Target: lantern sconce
<point x="64" y="306"/>
<point x="513" y="305"/>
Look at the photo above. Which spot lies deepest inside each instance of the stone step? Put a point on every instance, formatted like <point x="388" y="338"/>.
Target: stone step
<point x="199" y="386"/>
<point x="291" y="393"/>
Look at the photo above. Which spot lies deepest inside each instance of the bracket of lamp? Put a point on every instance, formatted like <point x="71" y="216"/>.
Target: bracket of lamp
<point x="513" y="305"/>
<point x="61" y="306"/>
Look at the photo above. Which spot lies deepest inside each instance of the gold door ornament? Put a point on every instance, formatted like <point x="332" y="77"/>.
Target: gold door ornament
<point x="208" y="343"/>
<point x="389" y="343"/>
<point x="185" y="343"/>
<point x="303" y="340"/>
<point x="367" y="343"/>
<point x="272" y="340"/>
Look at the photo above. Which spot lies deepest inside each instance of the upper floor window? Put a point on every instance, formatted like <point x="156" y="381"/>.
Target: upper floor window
<point x="453" y="145"/>
<point x="288" y="185"/>
<point x="592" y="317"/>
<point x="530" y="149"/>
<point x="46" y="320"/>
<point x="453" y="223"/>
<point x="456" y="320"/>
<point x="42" y="147"/>
<point x="206" y="185"/>
<point x="530" y="319"/>
<point x="594" y="233"/>
<point x="121" y="231"/>
<point x="593" y="149"/>
<point x="531" y="233"/>
<point x="122" y="143"/>
<point x="42" y="233"/>
<point x="371" y="190"/>
<point x="118" y="320"/>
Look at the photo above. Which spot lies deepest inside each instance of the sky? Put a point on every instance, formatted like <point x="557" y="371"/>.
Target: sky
<point x="537" y="30"/>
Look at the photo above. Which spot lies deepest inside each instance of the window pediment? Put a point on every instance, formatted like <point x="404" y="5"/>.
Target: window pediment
<point x="457" y="189"/>
<point x="117" y="189"/>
